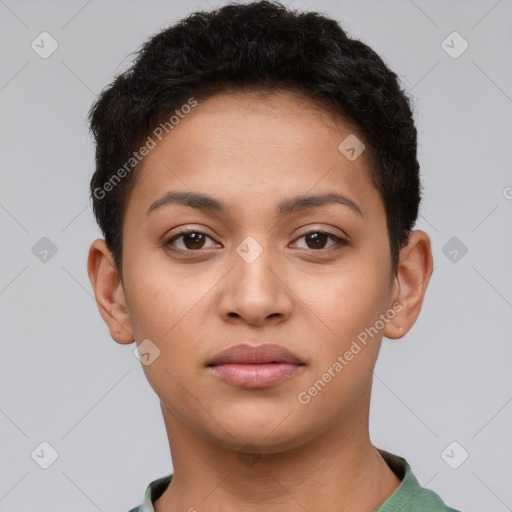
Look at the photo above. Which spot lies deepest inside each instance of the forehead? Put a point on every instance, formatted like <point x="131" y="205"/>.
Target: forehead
<point x="257" y="145"/>
<point x="245" y="118"/>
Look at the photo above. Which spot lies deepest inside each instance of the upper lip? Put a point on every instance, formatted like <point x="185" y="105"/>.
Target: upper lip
<point x="255" y="354"/>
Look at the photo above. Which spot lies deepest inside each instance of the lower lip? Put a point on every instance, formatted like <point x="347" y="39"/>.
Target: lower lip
<point x="255" y="376"/>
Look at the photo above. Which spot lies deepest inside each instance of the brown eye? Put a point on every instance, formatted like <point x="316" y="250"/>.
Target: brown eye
<point x="191" y="240"/>
<point x="316" y="240"/>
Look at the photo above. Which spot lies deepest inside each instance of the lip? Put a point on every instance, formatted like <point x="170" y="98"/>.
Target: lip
<point x="254" y="354"/>
<point x="255" y="367"/>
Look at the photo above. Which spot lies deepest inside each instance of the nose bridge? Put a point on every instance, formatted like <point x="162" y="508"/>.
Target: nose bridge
<point x="254" y="292"/>
<point x="253" y="262"/>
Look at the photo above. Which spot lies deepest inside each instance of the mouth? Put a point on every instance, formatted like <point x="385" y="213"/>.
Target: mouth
<point x="255" y="367"/>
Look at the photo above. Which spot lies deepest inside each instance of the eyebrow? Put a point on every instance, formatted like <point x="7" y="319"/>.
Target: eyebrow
<point x="208" y="203"/>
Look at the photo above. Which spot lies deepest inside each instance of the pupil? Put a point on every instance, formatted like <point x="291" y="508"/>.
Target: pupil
<point x="317" y="238"/>
<point x="197" y="236"/>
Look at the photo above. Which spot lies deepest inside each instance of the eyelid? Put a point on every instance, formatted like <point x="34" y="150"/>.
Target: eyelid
<point x="326" y="231"/>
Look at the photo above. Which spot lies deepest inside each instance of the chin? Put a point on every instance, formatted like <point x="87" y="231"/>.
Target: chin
<point x="250" y="438"/>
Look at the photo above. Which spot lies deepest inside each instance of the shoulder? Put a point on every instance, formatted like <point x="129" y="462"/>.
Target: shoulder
<point x="426" y="499"/>
<point x="153" y="491"/>
<point x="410" y="496"/>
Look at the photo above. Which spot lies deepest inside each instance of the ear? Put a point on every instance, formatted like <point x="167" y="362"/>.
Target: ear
<point x="410" y="284"/>
<point x="109" y="292"/>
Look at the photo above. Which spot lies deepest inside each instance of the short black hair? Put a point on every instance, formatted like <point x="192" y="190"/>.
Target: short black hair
<point x="260" y="46"/>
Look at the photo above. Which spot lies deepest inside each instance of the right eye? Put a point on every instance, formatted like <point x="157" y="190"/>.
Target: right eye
<point x="192" y="240"/>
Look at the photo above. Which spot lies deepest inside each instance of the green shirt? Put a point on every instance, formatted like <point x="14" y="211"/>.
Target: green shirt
<point x="408" y="497"/>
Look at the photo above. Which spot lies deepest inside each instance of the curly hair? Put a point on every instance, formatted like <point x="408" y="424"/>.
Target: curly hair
<point x="262" y="46"/>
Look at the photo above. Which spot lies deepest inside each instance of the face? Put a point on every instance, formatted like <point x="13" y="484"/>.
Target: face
<point x="309" y="278"/>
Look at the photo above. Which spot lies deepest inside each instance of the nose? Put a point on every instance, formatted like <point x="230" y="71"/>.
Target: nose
<point x="256" y="291"/>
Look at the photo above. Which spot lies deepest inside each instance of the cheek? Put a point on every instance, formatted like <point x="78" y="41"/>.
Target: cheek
<point x="168" y="309"/>
<point x="157" y="297"/>
<point x="345" y="356"/>
<point x="347" y="302"/>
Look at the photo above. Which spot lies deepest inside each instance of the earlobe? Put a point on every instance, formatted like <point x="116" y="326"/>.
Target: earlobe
<point x="411" y="283"/>
<point x="109" y="293"/>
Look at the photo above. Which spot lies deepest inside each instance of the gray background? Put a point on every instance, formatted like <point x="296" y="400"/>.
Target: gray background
<point x="65" y="382"/>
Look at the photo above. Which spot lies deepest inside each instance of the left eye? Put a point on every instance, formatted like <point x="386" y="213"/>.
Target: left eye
<point x="319" y="237"/>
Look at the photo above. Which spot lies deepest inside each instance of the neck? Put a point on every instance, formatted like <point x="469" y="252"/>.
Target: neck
<point x="337" y="470"/>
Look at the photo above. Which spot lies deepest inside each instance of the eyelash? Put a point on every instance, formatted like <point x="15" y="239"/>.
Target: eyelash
<point x="339" y="242"/>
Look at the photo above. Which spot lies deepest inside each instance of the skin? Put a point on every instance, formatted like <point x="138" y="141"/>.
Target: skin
<point x="252" y="152"/>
